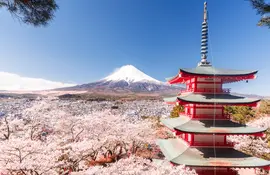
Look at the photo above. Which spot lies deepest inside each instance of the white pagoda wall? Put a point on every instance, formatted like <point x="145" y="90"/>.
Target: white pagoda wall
<point x="208" y="111"/>
<point x="209" y="83"/>
<point x="203" y="109"/>
<point x="209" y="86"/>
<point x="217" y="80"/>
<point x="208" y="139"/>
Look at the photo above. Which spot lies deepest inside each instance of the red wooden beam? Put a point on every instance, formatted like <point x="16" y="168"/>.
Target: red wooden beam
<point x="182" y="77"/>
<point x="252" y="104"/>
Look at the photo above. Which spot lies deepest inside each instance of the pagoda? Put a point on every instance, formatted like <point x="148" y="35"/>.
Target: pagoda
<point x="201" y="130"/>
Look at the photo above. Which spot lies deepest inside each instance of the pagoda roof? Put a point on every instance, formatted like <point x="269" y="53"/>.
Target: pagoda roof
<point x="178" y="152"/>
<point x="185" y="124"/>
<point x="210" y="70"/>
<point x="211" y="99"/>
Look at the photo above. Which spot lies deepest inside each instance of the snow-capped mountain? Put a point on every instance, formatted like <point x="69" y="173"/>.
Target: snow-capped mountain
<point x="126" y="79"/>
<point x="130" y="74"/>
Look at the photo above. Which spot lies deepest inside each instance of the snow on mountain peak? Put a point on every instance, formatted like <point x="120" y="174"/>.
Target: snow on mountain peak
<point x="130" y="74"/>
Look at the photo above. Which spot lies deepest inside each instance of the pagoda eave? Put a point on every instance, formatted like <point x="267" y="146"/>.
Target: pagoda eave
<point x="222" y="133"/>
<point x="254" y="104"/>
<point x="178" y="152"/>
<point x="217" y="73"/>
<point x="177" y="79"/>
<point x="266" y="167"/>
<point x="212" y="99"/>
<point x="251" y="104"/>
<point x="184" y="124"/>
<point x="184" y="75"/>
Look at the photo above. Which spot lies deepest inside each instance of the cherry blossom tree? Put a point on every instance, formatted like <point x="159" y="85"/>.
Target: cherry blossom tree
<point x="137" y="166"/>
<point x="9" y="124"/>
<point x="27" y="157"/>
<point x="53" y="136"/>
<point x="257" y="146"/>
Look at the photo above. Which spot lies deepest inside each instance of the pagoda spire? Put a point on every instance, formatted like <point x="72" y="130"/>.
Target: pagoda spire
<point x="204" y="42"/>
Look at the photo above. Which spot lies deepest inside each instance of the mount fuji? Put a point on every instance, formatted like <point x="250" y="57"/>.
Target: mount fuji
<point x="126" y="79"/>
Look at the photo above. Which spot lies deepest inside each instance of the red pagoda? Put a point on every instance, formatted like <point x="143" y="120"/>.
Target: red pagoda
<point x="202" y="129"/>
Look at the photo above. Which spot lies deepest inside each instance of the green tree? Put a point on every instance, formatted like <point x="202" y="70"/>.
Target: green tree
<point x="34" y="12"/>
<point x="264" y="107"/>
<point x="241" y="114"/>
<point x="176" y="110"/>
<point x="262" y="9"/>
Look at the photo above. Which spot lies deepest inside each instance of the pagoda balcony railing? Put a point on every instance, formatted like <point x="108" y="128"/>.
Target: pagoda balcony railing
<point x="209" y="90"/>
<point x="230" y="144"/>
<point x="202" y="116"/>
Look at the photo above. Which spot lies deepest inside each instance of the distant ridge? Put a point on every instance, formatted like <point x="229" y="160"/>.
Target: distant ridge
<point x="126" y="79"/>
<point x="250" y="95"/>
<point x="129" y="79"/>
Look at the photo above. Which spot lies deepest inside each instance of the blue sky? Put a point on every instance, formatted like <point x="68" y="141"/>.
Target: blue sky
<point x="88" y="40"/>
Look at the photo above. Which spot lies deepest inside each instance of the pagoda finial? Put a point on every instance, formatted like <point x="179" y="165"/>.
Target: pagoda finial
<point x="205" y="12"/>
<point x="204" y="42"/>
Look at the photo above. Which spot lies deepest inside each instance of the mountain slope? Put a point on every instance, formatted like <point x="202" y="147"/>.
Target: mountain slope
<point x="126" y="79"/>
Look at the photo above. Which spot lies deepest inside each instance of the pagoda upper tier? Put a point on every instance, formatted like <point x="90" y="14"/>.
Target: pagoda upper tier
<point x="213" y="99"/>
<point x="208" y="71"/>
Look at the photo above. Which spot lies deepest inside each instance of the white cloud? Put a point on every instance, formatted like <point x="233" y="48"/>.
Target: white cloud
<point x="10" y="81"/>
